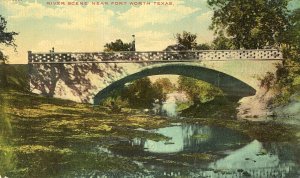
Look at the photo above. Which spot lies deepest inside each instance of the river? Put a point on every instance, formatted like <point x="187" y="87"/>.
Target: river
<point x="83" y="142"/>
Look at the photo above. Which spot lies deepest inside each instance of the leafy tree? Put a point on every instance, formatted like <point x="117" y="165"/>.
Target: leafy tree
<point x="141" y="93"/>
<point x="197" y="90"/>
<point x="176" y="47"/>
<point x="250" y="23"/>
<point x="118" y="45"/>
<point x="166" y="85"/>
<point x="286" y="82"/>
<point x="7" y="39"/>
<point x="3" y="58"/>
<point x="187" y="39"/>
<point x="222" y="43"/>
<point x="295" y="30"/>
<point x="203" y="46"/>
<point x="291" y="38"/>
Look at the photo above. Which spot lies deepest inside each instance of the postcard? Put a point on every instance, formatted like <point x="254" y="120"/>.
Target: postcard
<point x="149" y="88"/>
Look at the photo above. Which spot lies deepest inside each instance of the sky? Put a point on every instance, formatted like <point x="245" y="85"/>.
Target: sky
<point x="76" y="28"/>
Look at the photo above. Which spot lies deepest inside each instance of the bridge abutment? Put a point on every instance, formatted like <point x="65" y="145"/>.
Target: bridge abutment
<point x="81" y="76"/>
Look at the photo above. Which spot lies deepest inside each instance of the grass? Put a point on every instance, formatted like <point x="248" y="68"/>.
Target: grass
<point x="17" y="76"/>
<point x="34" y="129"/>
<point x="55" y="115"/>
<point x="51" y="137"/>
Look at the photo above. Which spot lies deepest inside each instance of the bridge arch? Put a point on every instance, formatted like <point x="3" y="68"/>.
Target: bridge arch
<point x="228" y="84"/>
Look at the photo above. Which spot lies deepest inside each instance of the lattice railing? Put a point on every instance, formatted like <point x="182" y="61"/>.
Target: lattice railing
<point x="132" y="56"/>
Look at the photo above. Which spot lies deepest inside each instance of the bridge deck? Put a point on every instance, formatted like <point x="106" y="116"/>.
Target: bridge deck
<point x="154" y="56"/>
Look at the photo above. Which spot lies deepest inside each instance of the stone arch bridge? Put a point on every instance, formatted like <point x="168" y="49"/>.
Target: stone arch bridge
<point x="90" y="77"/>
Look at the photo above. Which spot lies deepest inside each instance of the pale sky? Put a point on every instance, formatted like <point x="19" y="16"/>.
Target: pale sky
<point x="87" y="28"/>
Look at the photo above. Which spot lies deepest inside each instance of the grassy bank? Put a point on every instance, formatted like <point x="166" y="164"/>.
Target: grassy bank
<point x="63" y="116"/>
<point x="14" y="76"/>
<point x="39" y="135"/>
<point x="36" y="129"/>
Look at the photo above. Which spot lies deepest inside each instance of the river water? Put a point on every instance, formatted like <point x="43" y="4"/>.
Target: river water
<point x="52" y="147"/>
<point x="234" y="154"/>
<point x="191" y="150"/>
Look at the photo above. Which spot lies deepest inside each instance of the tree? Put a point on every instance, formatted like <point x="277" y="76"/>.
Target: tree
<point x="250" y="23"/>
<point x="197" y="90"/>
<point x="6" y="38"/>
<point x="3" y="58"/>
<point x="142" y="93"/>
<point x="295" y="30"/>
<point x="291" y="38"/>
<point x="166" y="85"/>
<point x="203" y="46"/>
<point x="222" y="43"/>
<point x="176" y="47"/>
<point x="187" y="39"/>
<point x="118" y="45"/>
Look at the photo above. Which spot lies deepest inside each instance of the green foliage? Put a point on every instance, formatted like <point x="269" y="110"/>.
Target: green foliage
<point x="268" y="81"/>
<point x="291" y="37"/>
<point x="197" y="90"/>
<point x="14" y="76"/>
<point x="187" y="39"/>
<point x="219" y="107"/>
<point x="114" y="101"/>
<point x="142" y="93"/>
<point x="257" y="24"/>
<point x="3" y="58"/>
<point x="203" y="46"/>
<point x="6" y="38"/>
<point x="222" y="43"/>
<point x="165" y="84"/>
<point x="286" y="83"/>
<point x="118" y="45"/>
<point x="250" y="24"/>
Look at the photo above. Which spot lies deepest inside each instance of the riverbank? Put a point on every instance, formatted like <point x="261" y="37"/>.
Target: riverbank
<point x="37" y="133"/>
<point x="72" y="116"/>
<point x="41" y="132"/>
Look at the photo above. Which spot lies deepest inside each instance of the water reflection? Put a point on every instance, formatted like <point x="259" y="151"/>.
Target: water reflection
<point x="237" y="155"/>
<point x="193" y="138"/>
<point x="251" y="160"/>
<point x="58" y="154"/>
<point x="250" y="156"/>
<point x="169" y="107"/>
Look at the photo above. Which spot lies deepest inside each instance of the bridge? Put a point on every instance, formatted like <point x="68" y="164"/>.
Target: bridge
<point x="90" y="77"/>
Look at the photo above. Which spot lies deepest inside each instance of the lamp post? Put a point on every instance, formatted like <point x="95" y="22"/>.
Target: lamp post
<point x="133" y="43"/>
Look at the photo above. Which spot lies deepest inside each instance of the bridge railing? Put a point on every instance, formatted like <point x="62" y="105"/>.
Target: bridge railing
<point x="135" y="56"/>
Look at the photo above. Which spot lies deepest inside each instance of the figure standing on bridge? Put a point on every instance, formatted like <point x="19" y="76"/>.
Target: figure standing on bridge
<point x="133" y="44"/>
<point x="52" y="50"/>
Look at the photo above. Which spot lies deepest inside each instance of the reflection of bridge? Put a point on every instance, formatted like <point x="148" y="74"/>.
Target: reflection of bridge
<point x="88" y="77"/>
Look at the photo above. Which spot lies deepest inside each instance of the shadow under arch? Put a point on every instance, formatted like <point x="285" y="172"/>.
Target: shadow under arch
<point x="228" y="84"/>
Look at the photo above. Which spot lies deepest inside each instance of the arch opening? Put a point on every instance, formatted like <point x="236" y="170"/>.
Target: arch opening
<point x="228" y="84"/>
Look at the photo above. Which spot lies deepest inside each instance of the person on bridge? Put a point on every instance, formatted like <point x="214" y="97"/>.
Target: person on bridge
<point x="133" y="44"/>
<point x="52" y="50"/>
